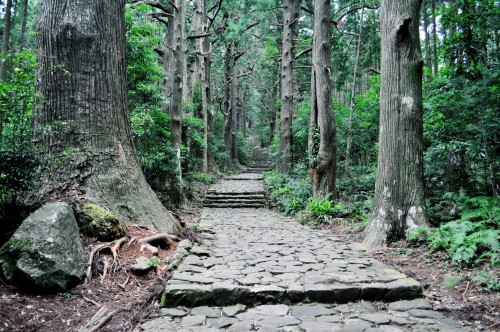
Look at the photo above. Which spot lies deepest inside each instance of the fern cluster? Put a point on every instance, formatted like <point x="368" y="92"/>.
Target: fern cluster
<point x="473" y="237"/>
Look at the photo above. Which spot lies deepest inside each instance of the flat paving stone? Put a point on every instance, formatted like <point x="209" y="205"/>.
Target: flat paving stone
<point x="258" y="242"/>
<point x="260" y="271"/>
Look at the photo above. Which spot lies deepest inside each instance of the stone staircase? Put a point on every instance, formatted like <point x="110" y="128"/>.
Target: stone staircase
<point x="242" y="190"/>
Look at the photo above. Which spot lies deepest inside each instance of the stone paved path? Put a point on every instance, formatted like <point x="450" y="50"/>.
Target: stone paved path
<point x="260" y="271"/>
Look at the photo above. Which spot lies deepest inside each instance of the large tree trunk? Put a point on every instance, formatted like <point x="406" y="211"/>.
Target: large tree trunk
<point x="82" y="120"/>
<point x="353" y="94"/>
<point x="5" y="40"/>
<point x="399" y="204"/>
<point x="176" y="191"/>
<point x="322" y="142"/>
<point x="290" y="22"/>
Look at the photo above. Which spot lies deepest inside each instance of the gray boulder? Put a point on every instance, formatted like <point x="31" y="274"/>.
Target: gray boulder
<point x="45" y="253"/>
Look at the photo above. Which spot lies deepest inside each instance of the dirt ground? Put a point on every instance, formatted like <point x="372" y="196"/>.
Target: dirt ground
<point x="475" y="308"/>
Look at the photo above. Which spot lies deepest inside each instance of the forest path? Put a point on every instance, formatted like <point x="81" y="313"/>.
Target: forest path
<point x="258" y="270"/>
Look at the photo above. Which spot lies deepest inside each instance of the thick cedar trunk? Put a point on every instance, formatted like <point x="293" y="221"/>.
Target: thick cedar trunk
<point x="290" y="23"/>
<point x="353" y="94"/>
<point x="399" y="204"/>
<point x="176" y="185"/>
<point x="322" y="142"/>
<point x="5" y="40"/>
<point x="82" y="120"/>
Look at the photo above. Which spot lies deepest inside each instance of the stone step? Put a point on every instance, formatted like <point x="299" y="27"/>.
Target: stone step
<point x="313" y="317"/>
<point x="235" y="199"/>
<point x="213" y="196"/>
<point x="229" y="193"/>
<point x="234" y="205"/>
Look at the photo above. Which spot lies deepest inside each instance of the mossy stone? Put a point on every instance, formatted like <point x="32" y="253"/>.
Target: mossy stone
<point x="96" y="221"/>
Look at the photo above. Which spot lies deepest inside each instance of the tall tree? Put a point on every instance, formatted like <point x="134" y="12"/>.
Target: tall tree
<point x="353" y="94"/>
<point x="82" y="119"/>
<point x="322" y="144"/>
<point x="399" y="204"/>
<point x="5" y="40"/>
<point x="290" y="25"/>
<point x="176" y="186"/>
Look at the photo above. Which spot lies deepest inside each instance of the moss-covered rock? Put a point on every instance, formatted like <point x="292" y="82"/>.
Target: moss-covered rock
<point x="96" y="221"/>
<point x="45" y="253"/>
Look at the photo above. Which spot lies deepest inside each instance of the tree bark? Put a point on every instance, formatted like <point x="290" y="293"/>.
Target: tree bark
<point x="399" y="204"/>
<point x="290" y="23"/>
<point x="5" y="40"/>
<point x="353" y="94"/>
<point x="81" y="119"/>
<point x="434" y="38"/>
<point x="227" y="107"/>
<point x="24" y="23"/>
<point x="322" y="142"/>
<point x="203" y="52"/>
<point x="427" y="44"/>
<point x="176" y="191"/>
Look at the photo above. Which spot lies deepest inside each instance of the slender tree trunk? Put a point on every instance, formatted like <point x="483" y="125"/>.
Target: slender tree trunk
<point x="5" y="40"/>
<point x="322" y="143"/>
<point x="203" y="45"/>
<point x="24" y="23"/>
<point x="176" y="186"/>
<point x="353" y="94"/>
<point x="234" y="116"/>
<point x="82" y="120"/>
<point x="427" y="44"/>
<point x="290" y="22"/>
<point x="399" y="204"/>
<point x="227" y="107"/>
<point x="434" y="37"/>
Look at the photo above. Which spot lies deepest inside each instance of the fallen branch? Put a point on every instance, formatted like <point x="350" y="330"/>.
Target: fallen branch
<point x="92" y="301"/>
<point x="464" y="297"/>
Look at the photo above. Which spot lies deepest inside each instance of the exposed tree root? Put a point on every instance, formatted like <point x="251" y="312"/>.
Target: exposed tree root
<point x="113" y="247"/>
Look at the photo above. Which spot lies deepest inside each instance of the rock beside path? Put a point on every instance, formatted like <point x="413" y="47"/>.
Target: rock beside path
<point x="45" y="253"/>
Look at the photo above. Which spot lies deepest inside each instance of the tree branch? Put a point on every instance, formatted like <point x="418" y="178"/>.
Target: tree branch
<point x="154" y="4"/>
<point x="199" y="36"/>
<point x="304" y="52"/>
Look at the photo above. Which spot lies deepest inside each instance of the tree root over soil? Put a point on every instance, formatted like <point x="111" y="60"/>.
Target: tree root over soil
<point x="105" y="260"/>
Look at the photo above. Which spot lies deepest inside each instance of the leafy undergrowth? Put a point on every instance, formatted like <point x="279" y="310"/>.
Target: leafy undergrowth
<point x="467" y="293"/>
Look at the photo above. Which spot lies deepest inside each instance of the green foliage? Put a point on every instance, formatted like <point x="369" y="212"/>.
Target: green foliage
<point x="17" y="170"/>
<point x="289" y="194"/>
<point x="473" y="237"/>
<point x="487" y="282"/>
<point x="243" y="149"/>
<point x="201" y="178"/>
<point x="321" y="209"/>
<point x="17" y="96"/>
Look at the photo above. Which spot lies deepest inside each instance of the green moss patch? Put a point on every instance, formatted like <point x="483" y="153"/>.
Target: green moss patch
<point x="96" y="221"/>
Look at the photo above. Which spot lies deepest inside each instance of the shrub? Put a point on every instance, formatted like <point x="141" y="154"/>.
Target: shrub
<point x="17" y="171"/>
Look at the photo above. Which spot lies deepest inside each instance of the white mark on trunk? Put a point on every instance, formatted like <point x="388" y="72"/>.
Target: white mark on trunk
<point x="400" y="214"/>
<point x="410" y="219"/>
<point x="408" y="102"/>
<point x="387" y="193"/>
